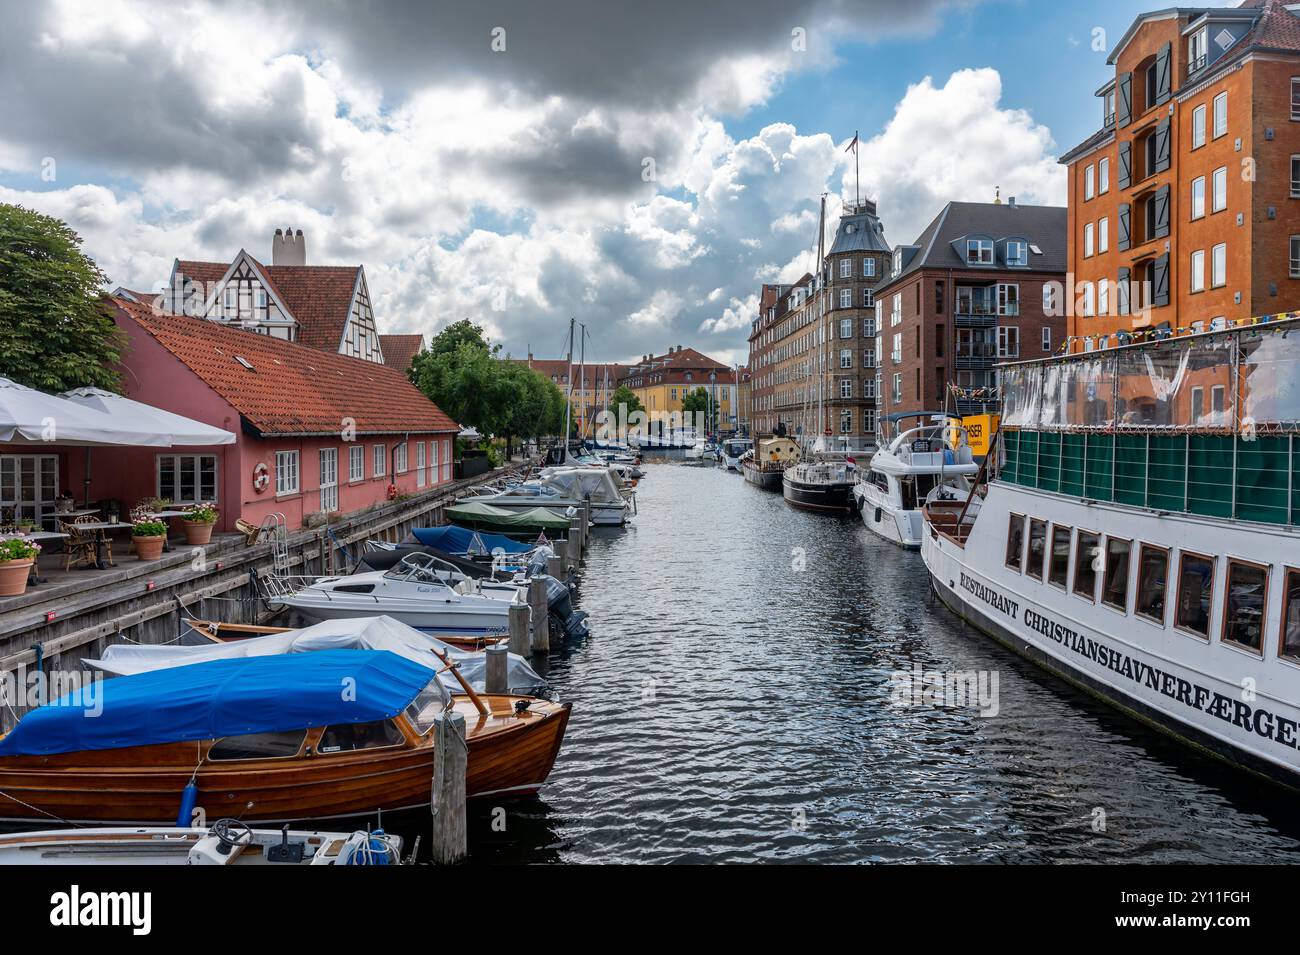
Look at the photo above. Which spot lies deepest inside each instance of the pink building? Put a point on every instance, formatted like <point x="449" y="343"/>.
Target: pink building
<point x="318" y="432"/>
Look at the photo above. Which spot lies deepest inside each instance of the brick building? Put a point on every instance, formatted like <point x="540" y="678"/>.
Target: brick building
<point x="1187" y="200"/>
<point x="813" y="342"/>
<point x="593" y="385"/>
<point x="973" y="290"/>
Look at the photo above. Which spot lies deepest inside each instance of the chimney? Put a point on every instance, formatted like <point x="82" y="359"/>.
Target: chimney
<point x="288" y="248"/>
<point x="1011" y="200"/>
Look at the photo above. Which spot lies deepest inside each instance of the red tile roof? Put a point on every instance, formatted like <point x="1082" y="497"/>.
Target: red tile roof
<point x="400" y="350"/>
<point x="205" y="273"/>
<point x="290" y="389"/>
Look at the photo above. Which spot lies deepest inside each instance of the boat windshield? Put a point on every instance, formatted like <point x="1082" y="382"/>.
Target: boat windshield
<point x="428" y="703"/>
<point x="424" y="569"/>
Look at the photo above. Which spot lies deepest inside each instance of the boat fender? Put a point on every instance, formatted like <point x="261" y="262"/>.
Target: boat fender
<point x="189" y="796"/>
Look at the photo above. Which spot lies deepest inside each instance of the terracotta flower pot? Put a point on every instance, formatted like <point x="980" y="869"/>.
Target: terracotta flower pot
<point x="197" y="532"/>
<point x="13" y="576"/>
<point x="149" y="548"/>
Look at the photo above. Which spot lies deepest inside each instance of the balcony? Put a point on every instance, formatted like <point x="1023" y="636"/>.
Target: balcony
<point x="976" y="356"/>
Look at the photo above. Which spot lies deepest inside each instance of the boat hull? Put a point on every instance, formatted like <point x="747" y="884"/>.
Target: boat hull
<point x="1185" y="686"/>
<point x="767" y="480"/>
<point x="465" y="627"/>
<point x="830" y="498"/>
<point x="508" y="756"/>
<point x="898" y="527"/>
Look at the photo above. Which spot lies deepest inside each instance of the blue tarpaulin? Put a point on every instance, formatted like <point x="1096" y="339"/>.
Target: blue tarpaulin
<point x="457" y="540"/>
<point x="265" y="694"/>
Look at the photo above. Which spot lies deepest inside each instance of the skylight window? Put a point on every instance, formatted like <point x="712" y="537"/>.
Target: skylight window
<point x="1035" y="249"/>
<point x="245" y="362"/>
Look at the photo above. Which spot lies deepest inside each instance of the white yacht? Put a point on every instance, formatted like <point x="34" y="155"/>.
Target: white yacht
<point x="733" y="449"/>
<point x="1141" y="535"/>
<point x="930" y="459"/>
<point x="419" y="591"/>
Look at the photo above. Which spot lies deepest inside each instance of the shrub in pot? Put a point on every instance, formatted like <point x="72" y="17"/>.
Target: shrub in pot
<point x="198" y="522"/>
<point x="17" y="554"/>
<point x="149" y="537"/>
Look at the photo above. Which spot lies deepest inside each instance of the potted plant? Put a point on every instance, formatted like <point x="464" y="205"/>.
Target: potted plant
<point x="17" y="554"/>
<point x="26" y="525"/>
<point x="149" y="537"/>
<point x="198" y="522"/>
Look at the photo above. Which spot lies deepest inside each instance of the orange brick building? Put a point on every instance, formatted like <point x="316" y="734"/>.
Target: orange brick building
<point x="1184" y="208"/>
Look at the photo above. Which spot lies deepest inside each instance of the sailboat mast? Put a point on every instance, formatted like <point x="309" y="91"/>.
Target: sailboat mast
<point x="568" y="401"/>
<point x="821" y="303"/>
<point x="582" y="388"/>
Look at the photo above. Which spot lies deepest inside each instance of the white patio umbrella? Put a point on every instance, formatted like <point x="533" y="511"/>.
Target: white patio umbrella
<point x="150" y="426"/>
<point x="32" y="417"/>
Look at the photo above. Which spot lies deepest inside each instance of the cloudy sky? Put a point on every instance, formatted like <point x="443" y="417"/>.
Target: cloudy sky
<point x="643" y="167"/>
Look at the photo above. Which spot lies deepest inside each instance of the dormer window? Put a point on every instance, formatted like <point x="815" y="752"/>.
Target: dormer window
<point x="1198" y="47"/>
<point x="1017" y="252"/>
<point x="898" y="261"/>
<point x="1108" y="107"/>
<point x="979" y="251"/>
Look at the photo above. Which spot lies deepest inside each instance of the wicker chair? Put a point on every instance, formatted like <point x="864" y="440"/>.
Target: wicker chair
<point x="79" y="547"/>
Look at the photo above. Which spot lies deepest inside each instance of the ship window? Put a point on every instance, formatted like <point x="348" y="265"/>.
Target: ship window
<point x="1058" y="571"/>
<point x="1245" y="597"/>
<point x="1016" y="543"/>
<point x="1289" y="647"/>
<point x="347" y="737"/>
<point x="1195" y="588"/>
<point x="1153" y="583"/>
<point x="1037" y="547"/>
<point x="1087" y="558"/>
<point x="258" y="745"/>
<point x="1115" y="574"/>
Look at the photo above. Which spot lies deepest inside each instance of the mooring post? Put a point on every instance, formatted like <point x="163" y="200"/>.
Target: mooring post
<point x="497" y="658"/>
<point x="575" y="542"/>
<point x="450" y="842"/>
<point x="555" y="567"/>
<point x="586" y="525"/>
<point x="518" y="615"/>
<point x="541" y="618"/>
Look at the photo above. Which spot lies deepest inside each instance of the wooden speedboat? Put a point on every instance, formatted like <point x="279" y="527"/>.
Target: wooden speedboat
<point x="329" y="734"/>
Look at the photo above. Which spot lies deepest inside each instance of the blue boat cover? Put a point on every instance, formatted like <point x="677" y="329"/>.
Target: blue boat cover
<point x="457" y="540"/>
<point x="266" y="694"/>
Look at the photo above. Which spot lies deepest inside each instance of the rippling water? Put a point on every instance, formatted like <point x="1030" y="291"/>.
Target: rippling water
<point x="730" y="707"/>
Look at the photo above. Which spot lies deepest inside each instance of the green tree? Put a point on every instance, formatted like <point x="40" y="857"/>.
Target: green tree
<point x="623" y="395"/>
<point x="696" y="401"/>
<point x="56" y="332"/>
<point x="457" y="372"/>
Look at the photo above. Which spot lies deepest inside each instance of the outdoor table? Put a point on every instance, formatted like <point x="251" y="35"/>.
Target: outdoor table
<point x="100" y="528"/>
<point x="167" y="516"/>
<point x="38" y="536"/>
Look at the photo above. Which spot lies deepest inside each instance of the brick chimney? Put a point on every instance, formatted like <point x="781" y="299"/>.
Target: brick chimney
<point x="288" y="248"/>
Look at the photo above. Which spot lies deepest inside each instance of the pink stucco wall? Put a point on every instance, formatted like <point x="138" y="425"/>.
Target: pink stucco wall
<point x="153" y="375"/>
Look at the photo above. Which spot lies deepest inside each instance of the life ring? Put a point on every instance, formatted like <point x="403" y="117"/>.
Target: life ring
<point x="261" y="478"/>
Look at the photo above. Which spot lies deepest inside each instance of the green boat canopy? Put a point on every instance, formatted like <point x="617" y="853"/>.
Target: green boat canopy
<point x="508" y="521"/>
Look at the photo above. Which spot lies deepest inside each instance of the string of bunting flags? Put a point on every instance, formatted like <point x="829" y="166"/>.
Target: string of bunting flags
<point x="1161" y="333"/>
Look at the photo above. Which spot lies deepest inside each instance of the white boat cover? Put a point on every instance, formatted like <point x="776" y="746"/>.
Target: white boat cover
<point x="358" y="633"/>
<point x="578" y="483"/>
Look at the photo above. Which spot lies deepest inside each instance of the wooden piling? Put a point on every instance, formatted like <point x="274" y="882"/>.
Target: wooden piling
<point x="575" y="541"/>
<point x="450" y="841"/>
<point x="541" y="618"/>
<point x="555" y="566"/>
<point x="497" y="659"/>
<point x="519" y="642"/>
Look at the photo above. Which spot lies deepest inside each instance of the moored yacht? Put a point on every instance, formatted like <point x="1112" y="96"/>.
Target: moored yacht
<point x="1141" y="537"/>
<point x="733" y="449"/>
<point x="768" y="461"/>
<point x="560" y="488"/>
<point x="913" y="463"/>
<point x="823" y="483"/>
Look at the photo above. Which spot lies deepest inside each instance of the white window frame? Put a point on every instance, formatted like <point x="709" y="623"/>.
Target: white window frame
<point x="846" y="357"/>
<point x="869" y="267"/>
<point x="1198" y="198"/>
<point x="983" y="249"/>
<point x="199" y="497"/>
<point x="896" y="312"/>
<point x="1198" y="126"/>
<point x="1103" y="176"/>
<point x="846" y="421"/>
<point x="420" y="464"/>
<point x="1219" y="265"/>
<point x="1089" y="248"/>
<point x="1021" y="256"/>
<point x="379" y="460"/>
<point x="846" y="268"/>
<point x="846" y="297"/>
<point x="356" y="463"/>
<point x="868" y="298"/>
<point x="1295" y="256"/>
<point x="1198" y="270"/>
<point x="1295" y="99"/>
<point x="1221" y="115"/>
<point x="1047" y="338"/>
<point x="1089" y="182"/>
<point x="846" y="387"/>
<point x="1103" y="234"/>
<point x="329" y="479"/>
<point x="846" y="328"/>
<point x="1008" y="301"/>
<point x="288" y="473"/>
<point x="1219" y="190"/>
<point x="1295" y="175"/>
<point x="898" y="387"/>
<point x="434" y="447"/>
<point x="399" y="458"/>
<point x="1103" y="297"/>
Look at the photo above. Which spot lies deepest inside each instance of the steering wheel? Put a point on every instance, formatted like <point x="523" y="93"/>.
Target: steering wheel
<point x="231" y="833"/>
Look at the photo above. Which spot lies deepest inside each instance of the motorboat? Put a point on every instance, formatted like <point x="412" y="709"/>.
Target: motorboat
<point x="767" y="464"/>
<point x="226" y="842"/>
<point x="420" y="591"/>
<point x="733" y="449"/>
<point x="560" y="488"/>
<point x="299" y="736"/>
<point x="931" y="460"/>
<point x="221" y="641"/>
<point x="481" y="513"/>
<point x="823" y="483"/>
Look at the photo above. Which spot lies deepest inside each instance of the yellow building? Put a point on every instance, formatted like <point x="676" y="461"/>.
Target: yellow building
<point x="662" y="382"/>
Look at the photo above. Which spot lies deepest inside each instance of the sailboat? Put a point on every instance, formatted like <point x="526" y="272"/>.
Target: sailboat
<point x="824" y="479"/>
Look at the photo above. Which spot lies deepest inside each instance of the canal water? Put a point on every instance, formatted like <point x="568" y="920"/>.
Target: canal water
<point x="733" y="704"/>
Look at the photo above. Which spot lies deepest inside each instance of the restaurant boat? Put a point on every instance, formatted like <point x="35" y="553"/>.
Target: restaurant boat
<point x="930" y="458"/>
<point x="275" y="732"/>
<point x="1140" y="536"/>
<point x="769" y="461"/>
